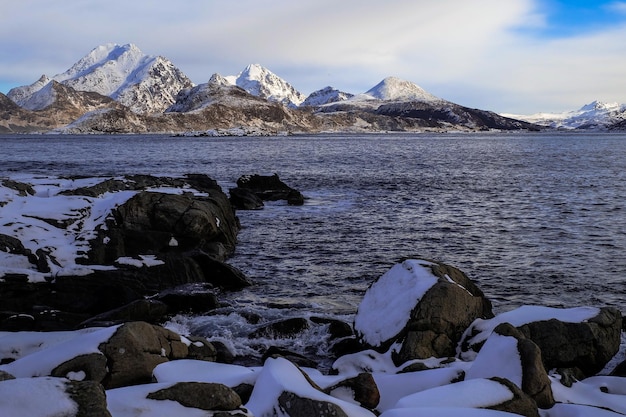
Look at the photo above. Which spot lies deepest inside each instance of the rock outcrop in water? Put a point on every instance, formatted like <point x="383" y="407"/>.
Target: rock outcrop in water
<point x="162" y="234"/>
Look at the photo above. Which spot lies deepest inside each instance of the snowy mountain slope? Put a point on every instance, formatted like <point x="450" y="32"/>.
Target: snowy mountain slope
<point x="145" y="84"/>
<point x="261" y="82"/>
<point x="397" y="89"/>
<point x="20" y="95"/>
<point x="217" y="90"/>
<point x="390" y="89"/>
<point x="595" y="115"/>
<point x="324" y="96"/>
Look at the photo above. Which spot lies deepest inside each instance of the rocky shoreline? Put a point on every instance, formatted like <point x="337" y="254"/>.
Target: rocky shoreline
<point x="92" y="270"/>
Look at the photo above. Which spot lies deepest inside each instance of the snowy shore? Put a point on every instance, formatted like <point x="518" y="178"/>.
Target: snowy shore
<point x="423" y="342"/>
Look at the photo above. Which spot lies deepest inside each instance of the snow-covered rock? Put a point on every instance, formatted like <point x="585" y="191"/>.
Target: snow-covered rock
<point x="261" y="82"/>
<point x="422" y="305"/>
<point x="282" y="389"/>
<point x="585" y="338"/>
<point x="144" y="83"/>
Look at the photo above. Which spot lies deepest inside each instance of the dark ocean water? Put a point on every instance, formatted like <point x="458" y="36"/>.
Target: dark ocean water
<point x="532" y="218"/>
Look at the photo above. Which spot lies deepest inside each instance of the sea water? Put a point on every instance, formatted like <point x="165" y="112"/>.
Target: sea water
<point x="532" y="218"/>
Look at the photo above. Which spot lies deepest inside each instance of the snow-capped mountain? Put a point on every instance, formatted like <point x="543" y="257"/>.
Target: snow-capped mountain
<point x="397" y="89"/>
<point x="144" y="83"/>
<point x="324" y="96"/>
<point x="595" y="115"/>
<point x="261" y="82"/>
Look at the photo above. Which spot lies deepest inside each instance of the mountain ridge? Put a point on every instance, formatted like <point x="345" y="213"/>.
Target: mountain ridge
<point x="117" y="88"/>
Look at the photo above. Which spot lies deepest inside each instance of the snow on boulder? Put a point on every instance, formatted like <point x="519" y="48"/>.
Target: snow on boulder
<point x="174" y="399"/>
<point x="590" y="398"/>
<point x="203" y="371"/>
<point x="51" y="397"/>
<point x="446" y="412"/>
<point x="508" y="354"/>
<point x="283" y="389"/>
<point x="392" y="387"/>
<point x="423" y="305"/>
<point x="584" y="337"/>
<point x="495" y="394"/>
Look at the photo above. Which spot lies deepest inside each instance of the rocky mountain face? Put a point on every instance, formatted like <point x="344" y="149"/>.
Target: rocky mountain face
<point x="119" y="89"/>
<point x="325" y="96"/>
<point x="143" y="83"/>
<point x="260" y="81"/>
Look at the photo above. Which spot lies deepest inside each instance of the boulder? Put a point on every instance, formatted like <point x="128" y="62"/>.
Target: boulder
<point x="87" y="367"/>
<point x="361" y="388"/>
<point x="423" y="305"/>
<point x="270" y="188"/>
<point x="201" y="349"/>
<point x="587" y="345"/>
<point x="581" y="339"/>
<point x="152" y="222"/>
<point x="507" y="354"/>
<point x="245" y="199"/>
<point x="135" y="349"/>
<point x="493" y="393"/>
<point x="59" y="397"/>
<point x="90" y="398"/>
<point x="201" y="395"/>
<point x="283" y="388"/>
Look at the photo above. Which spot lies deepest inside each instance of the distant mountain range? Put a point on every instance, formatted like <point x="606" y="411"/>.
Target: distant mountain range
<point x="119" y="89"/>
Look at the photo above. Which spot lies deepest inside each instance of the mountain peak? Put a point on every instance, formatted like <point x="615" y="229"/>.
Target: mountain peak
<point x="144" y="83"/>
<point x="397" y="89"/>
<point x="260" y="81"/>
<point x="599" y="105"/>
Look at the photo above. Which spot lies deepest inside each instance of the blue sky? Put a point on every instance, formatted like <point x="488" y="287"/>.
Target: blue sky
<point x="514" y="56"/>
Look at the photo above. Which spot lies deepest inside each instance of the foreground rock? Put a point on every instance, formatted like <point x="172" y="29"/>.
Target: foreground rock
<point x="499" y="370"/>
<point x="107" y="243"/>
<point x="583" y="339"/>
<point x="432" y="305"/>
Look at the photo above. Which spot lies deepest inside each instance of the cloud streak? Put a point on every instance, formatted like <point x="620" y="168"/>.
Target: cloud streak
<point x="486" y="53"/>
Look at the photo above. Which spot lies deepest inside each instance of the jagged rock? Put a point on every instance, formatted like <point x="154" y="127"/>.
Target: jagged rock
<point x="244" y="199"/>
<point x="149" y="221"/>
<point x="588" y="346"/>
<point x="136" y="349"/>
<point x="363" y="390"/>
<point x="270" y="188"/>
<point x="437" y="301"/>
<point x="202" y="395"/>
<point x="508" y="354"/>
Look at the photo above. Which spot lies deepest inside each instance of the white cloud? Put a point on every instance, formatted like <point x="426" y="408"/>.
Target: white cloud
<point x="477" y="53"/>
